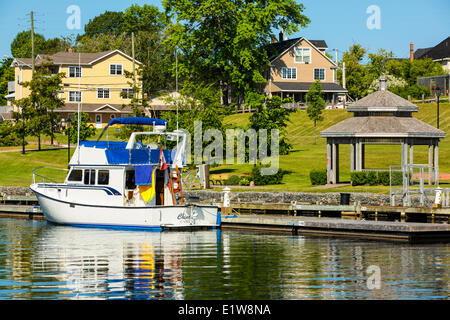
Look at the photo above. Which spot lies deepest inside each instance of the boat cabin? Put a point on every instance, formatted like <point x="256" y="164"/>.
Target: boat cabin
<point x="129" y="174"/>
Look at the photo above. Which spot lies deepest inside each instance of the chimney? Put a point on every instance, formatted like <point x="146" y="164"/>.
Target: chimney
<point x="280" y="36"/>
<point x="69" y="50"/>
<point x="411" y="51"/>
<point x="383" y="84"/>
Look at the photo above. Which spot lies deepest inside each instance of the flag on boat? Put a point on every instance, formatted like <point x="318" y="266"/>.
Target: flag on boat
<point x="162" y="161"/>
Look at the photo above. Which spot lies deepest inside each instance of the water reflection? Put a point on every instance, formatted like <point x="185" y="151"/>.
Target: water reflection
<point x="40" y="261"/>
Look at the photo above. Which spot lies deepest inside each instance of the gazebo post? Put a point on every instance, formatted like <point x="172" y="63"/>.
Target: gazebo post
<point x="352" y="156"/>
<point x="436" y="163"/>
<point x="430" y="162"/>
<point x="335" y="162"/>
<point x="363" y="155"/>
<point x="329" y="160"/>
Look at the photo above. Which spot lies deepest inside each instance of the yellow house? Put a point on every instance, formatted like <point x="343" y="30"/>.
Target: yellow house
<point x="294" y="66"/>
<point x="95" y="82"/>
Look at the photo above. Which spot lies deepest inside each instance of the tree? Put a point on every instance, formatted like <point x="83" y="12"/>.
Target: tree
<point x="109" y="22"/>
<point x="37" y="107"/>
<point x="270" y="114"/>
<point x="355" y="73"/>
<point x="86" y="130"/>
<point x="222" y="40"/>
<point x="21" y="45"/>
<point x="6" y="75"/>
<point x="315" y="104"/>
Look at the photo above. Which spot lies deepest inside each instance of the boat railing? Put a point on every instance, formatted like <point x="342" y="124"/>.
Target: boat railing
<point x="37" y="176"/>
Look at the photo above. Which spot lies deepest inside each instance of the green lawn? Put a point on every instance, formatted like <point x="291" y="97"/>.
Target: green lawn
<point x="16" y="169"/>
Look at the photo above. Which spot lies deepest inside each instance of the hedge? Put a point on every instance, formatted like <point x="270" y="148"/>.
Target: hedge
<point x="318" y="177"/>
<point x="373" y="178"/>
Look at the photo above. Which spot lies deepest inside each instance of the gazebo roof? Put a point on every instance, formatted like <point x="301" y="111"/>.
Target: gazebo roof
<point x="382" y="114"/>
<point x="383" y="101"/>
<point x="382" y="127"/>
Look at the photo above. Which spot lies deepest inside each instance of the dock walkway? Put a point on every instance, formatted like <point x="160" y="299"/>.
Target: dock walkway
<point x="399" y="231"/>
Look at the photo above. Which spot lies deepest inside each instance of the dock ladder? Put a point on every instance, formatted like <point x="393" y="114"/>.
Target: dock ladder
<point x="175" y="183"/>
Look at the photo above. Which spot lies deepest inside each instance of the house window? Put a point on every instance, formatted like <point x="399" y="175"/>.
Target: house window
<point x="289" y="73"/>
<point x="74" y="72"/>
<point x="303" y="55"/>
<point x="127" y="93"/>
<point x="103" y="93"/>
<point x="115" y="69"/>
<point x="74" y="96"/>
<point x="319" y="74"/>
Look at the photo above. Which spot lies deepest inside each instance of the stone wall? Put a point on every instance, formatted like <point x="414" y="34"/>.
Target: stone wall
<point x="16" y="191"/>
<point x="330" y="198"/>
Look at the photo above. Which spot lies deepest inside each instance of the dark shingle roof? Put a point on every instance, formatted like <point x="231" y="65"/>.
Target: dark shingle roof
<point x="277" y="48"/>
<point x="383" y="101"/>
<point x="85" y="58"/>
<point x="440" y="51"/>
<point x="382" y="127"/>
<point x="304" y="86"/>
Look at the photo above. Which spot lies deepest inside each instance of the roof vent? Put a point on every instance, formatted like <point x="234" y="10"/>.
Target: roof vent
<point x="383" y="84"/>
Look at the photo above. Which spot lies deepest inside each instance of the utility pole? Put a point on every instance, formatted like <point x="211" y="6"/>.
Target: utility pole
<point x="132" y="53"/>
<point x="32" y="44"/>
<point x="343" y="82"/>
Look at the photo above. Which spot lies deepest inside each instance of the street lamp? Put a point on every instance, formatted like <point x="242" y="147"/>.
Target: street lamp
<point x="438" y="93"/>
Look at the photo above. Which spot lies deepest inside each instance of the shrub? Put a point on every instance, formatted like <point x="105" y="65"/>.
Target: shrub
<point x="244" y="181"/>
<point x="261" y="180"/>
<point x="9" y="135"/>
<point x="232" y="181"/>
<point x="383" y="178"/>
<point x="397" y="178"/>
<point x="318" y="177"/>
<point x="358" y="178"/>
<point x="372" y="178"/>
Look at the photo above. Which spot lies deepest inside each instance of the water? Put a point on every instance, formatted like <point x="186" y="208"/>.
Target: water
<point x="41" y="261"/>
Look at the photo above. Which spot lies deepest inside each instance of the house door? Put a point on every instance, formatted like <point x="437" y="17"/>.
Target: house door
<point x="98" y="121"/>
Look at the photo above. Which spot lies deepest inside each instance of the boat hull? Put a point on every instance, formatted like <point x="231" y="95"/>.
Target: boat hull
<point x="157" y="218"/>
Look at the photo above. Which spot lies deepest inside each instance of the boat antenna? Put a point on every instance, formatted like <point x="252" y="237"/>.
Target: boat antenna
<point x="79" y="107"/>
<point x="176" y="81"/>
<point x="176" y="86"/>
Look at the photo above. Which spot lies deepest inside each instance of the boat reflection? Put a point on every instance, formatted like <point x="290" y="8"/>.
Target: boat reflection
<point x="115" y="264"/>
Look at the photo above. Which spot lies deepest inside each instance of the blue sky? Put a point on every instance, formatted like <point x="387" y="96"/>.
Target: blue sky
<point x="339" y="23"/>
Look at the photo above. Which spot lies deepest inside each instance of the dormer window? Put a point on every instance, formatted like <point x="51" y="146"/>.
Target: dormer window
<point x="302" y="55"/>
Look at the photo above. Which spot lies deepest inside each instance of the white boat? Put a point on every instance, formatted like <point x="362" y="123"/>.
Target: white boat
<point x="125" y="184"/>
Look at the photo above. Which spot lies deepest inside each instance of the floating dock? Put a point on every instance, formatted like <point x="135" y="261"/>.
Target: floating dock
<point x="411" y="232"/>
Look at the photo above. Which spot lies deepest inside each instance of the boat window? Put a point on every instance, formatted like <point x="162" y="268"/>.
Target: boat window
<point x="103" y="177"/>
<point x="129" y="180"/>
<point x="89" y="176"/>
<point x="75" y="175"/>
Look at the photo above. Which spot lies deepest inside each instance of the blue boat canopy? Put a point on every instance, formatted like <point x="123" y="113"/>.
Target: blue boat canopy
<point x="133" y="120"/>
<point x="138" y="120"/>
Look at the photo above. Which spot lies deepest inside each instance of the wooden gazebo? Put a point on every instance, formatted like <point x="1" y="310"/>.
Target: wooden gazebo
<point x="380" y="118"/>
